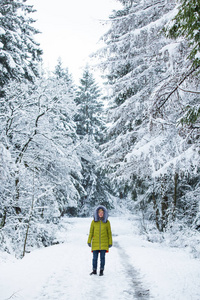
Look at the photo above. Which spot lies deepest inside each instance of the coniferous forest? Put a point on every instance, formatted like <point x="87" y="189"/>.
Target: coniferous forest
<point x="65" y="148"/>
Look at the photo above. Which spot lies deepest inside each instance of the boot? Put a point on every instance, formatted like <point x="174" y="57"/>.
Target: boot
<point x="94" y="272"/>
<point x="101" y="273"/>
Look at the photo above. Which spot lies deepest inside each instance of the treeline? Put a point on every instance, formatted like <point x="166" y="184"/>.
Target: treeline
<point x="62" y="152"/>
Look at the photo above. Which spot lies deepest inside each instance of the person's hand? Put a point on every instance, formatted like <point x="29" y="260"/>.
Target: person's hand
<point x="89" y="244"/>
<point x="110" y="246"/>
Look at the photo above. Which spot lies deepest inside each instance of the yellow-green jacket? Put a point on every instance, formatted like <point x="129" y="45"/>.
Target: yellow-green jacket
<point x="100" y="235"/>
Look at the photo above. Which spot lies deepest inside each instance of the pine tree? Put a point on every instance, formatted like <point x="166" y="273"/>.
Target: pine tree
<point x="59" y="70"/>
<point x="19" y="52"/>
<point x="90" y="126"/>
<point x="64" y="78"/>
<point x="136" y="63"/>
<point x="63" y="73"/>
<point x="89" y="117"/>
<point x="186" y="24"/>
<point x="144" y="151"/>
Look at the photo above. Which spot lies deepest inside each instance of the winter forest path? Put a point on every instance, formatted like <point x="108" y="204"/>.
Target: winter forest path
<point x="71" y="280"/>
<point x="135" y="269"/>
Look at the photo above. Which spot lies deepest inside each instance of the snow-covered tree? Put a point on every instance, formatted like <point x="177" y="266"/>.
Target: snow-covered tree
<point x="89" y="118"/>
<point x="7" y="182"/>
<point x="135" y="63"/>
<point x="186" y="24"/>
<point x="39" y="133"/>
<point x="63" y="73"/>
<point x="90" y="126"/>
<point x="146" y="154"/>
<point x="19" y="52"/>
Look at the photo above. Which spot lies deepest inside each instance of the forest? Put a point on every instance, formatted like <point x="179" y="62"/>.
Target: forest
<point x="65" y="148"/>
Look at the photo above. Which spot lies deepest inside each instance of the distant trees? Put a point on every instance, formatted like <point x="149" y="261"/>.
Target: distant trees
<point x="89" y="117"/>
<point x="90" y="126"/>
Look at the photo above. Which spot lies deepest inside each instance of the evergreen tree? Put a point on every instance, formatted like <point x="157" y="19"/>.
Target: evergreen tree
<point x="145" y="155"/>
<point x="19" y="52"/>
<point x="136" y="63"/>
<point x="90" y="125"/>
<point x="63" y="73"/>
<point x="64" y="78"/>
<point x="59" y="70"/>
<point x="186" y="24"/>
<point x="89" y="117"/>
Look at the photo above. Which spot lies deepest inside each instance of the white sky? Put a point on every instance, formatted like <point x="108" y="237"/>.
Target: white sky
<point x="70" y="30"/>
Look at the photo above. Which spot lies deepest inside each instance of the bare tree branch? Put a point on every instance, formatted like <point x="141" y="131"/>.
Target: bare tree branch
<point x="193" y="92"/>
<point x="12" y="295"/>
<point x="19" y="158"/>
<point x="176" y="88"/>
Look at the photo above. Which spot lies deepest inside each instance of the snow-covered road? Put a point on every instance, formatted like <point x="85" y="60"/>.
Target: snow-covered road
<point x="135" y="269"/>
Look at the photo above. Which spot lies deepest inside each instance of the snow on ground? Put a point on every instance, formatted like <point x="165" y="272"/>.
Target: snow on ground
<point x="135" y="269"/>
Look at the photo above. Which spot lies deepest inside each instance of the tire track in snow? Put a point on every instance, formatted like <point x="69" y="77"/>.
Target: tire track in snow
<point x="114" y="284"/>
<point x="137" y="289"/>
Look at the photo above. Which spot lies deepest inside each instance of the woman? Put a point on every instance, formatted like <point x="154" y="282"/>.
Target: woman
<point x="100" y="237"/>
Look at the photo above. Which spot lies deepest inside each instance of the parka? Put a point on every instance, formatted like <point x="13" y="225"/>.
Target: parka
<point x="100" y="235"/>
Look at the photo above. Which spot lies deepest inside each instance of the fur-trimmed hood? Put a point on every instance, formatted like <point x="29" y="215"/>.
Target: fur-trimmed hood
<point x="96" y="216"/>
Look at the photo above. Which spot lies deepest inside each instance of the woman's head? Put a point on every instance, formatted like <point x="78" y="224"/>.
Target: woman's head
<point x="100" y="213"/>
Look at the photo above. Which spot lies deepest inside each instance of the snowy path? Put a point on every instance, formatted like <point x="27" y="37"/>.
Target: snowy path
<point x="135" y="269"/>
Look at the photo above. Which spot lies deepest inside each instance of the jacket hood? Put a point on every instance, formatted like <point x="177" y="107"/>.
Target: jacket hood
<point x="96" y="216"/>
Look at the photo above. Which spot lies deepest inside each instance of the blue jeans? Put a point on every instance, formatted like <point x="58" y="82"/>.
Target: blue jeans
<point x="102" y="259"/>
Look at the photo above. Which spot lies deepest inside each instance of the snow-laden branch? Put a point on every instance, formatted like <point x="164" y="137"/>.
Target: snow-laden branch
<point x="19" y="158"/>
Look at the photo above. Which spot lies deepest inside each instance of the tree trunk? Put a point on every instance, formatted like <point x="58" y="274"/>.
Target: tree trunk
<point x="175" y="196"/>
<point x="164" y="209"/>
<point x="30" y="215"/>
<point x="16" y="198"/>
<point x="156" y="211"/>
<point x="3" y="222"/>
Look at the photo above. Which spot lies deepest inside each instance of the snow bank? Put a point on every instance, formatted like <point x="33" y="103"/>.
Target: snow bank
<point x="170" y="273"/>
